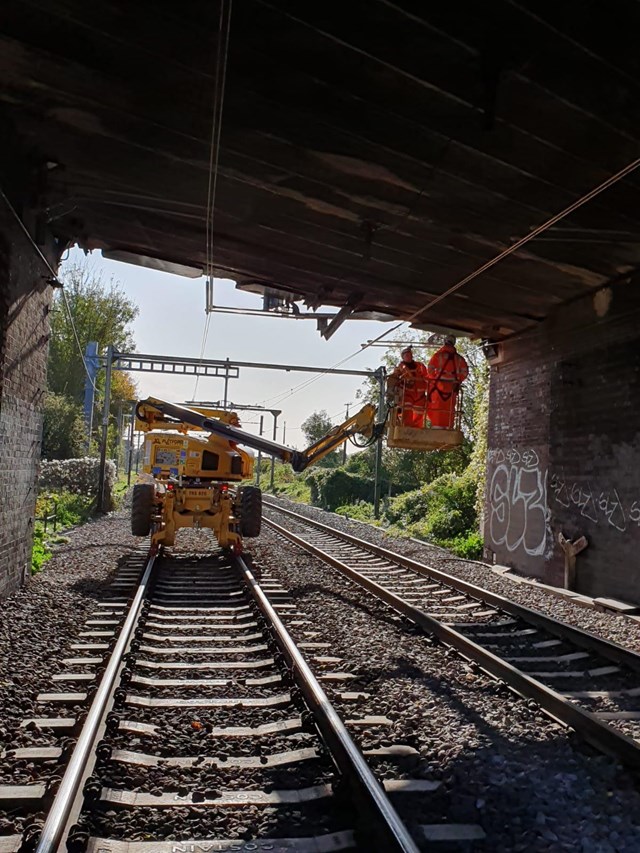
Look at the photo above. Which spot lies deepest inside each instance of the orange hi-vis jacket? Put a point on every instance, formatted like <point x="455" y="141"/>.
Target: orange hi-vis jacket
<point x="447" y="370"/>
<point x="412" y="382"/>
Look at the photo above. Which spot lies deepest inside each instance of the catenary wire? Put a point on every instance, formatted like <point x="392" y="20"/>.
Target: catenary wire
<point x="612" y="179"/>
<point x="222" y="54"/>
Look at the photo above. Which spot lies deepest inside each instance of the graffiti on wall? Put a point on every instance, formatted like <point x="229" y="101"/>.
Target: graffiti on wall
<point x="522" y="495"/>
<point x="518" y="510"/>
<point x="598" y="505"/>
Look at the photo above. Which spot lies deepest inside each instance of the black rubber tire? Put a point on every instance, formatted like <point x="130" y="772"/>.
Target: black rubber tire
<point x="250" y="511"/>
<point x="142" y="504"/>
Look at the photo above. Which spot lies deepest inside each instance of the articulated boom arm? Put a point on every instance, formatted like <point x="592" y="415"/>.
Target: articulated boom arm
<point x="153" y="413"/>
<point x="362" y="423"/>
<point x="151" y="416"/>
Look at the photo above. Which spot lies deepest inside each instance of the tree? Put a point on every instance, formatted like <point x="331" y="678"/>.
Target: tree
<point x="123" y="391"/>
<point x="317" y="425"/>
<point x="478" y="462"/>
<point x="63" y="431"/>
<point x="474" y="386"/>
<point x="101" y="312"/>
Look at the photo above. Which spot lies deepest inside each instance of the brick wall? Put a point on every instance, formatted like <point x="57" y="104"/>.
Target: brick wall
<point x="564" y="446"/>
<point x="24" y="328"/>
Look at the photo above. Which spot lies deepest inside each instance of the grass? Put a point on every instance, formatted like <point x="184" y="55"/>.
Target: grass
<point x="41" y="552"/>
<point x="469" y="546"/>
<point x="286" y="483"/>
<point x="120" y="487"/>
<point x="360" y="511"/>
<point x="70" y="510"/>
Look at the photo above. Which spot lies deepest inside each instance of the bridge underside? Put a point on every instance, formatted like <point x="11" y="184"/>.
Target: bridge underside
<point x="372" y="154"/>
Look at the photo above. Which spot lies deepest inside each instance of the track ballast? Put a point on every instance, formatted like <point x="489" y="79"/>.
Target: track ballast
<point x="581" y="680"/>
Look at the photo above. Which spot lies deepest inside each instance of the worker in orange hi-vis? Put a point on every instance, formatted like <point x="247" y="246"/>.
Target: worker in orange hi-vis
<point x="407" y="388"/>
<point x="447" y="371"/>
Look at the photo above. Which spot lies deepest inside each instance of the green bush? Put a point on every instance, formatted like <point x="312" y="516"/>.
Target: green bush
<point x="75" y="475"/>
<point x="361" y="510"/>
<point x="72" y="509"/>
<point x="446" y="524"/>
<point x="470" y="547"/>
<point x="298" y="491"/>
<point x="63" y="428"/>
<point x="331" y="488"/>
<point x="40" y="553"/>
<point x="409" y="507"/>
<point x="442" y="512"/>
<point x="288" y="484"/>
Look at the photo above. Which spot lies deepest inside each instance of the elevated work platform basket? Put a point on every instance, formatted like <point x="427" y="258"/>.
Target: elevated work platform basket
<point x="422" y="438"/>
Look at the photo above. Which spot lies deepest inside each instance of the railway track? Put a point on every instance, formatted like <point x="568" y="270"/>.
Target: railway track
<point x="580" y="680"/>
<point x="206" y="731"/>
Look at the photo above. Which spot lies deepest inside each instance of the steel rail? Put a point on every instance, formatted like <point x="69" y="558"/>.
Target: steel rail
<point x="387" y="832"/>
<point x="52" y="832"/>
<point x="591" y="728"/>
<point x="605" y="648"/>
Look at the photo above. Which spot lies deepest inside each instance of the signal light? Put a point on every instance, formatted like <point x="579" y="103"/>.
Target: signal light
<point x="224" y="487"/>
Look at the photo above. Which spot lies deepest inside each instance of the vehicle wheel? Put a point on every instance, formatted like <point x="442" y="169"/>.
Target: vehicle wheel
<point x="142" y="505"/>
<point x="250" y="511"/>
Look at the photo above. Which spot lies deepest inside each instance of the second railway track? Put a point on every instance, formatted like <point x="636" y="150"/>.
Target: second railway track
<point x="578" y="678"/>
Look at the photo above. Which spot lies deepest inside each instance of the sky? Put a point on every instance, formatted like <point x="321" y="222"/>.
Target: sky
<point x="171" y="322"/>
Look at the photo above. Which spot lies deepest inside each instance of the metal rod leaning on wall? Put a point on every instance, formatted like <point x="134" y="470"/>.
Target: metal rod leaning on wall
<point x="105" y="432"/>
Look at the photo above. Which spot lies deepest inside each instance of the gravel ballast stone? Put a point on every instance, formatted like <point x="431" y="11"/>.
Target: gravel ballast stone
<point x="611" y="627"/>
<point x="502" y="764"/>
<point x="39" y="622"/>
<point x="530" y="784"/>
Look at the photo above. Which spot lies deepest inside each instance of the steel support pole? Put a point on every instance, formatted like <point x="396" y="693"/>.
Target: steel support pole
<point x="377" y="468"/>
<point x="273" y="458"/>
<point x="91" y="361"/>
<point x="259" y="452"/>
<point x="119" y="435"/>
<point x="105" y="432"/>
<point x="131" y="439"/>
<point x="226" y="385"/>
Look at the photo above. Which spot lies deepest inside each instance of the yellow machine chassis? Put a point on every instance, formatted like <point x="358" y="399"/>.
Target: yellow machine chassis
<point x="195" y="508"/>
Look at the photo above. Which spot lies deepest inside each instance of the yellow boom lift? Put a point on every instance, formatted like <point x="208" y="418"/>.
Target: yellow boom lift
<point x="195" y="480"/>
